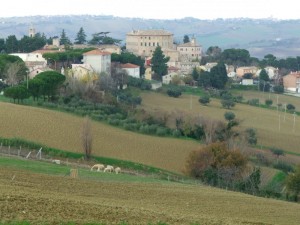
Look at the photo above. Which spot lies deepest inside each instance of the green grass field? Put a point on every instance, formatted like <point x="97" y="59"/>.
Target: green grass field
<point x="39" y="193"/>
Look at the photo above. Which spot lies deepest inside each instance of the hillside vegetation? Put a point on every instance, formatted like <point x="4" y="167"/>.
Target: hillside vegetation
<point x="48" y="199"/>
<point x="63" y="131"/>
<point x="265" y="121"/>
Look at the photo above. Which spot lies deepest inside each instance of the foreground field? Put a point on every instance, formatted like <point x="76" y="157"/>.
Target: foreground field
<point x="273" y="128"/>
<point x="40" y="199"/>
<point x="63" y="131"/>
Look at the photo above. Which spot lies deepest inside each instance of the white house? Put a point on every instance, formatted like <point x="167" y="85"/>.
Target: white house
<point x="131" y="69"/>
<point x="33" y="59"/>
<point x="166" y="79"/>
<point x="271" y="71"/>
<point x="99" y="60"/>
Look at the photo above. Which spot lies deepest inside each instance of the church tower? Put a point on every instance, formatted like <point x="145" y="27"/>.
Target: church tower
<point x="31" y="31"/>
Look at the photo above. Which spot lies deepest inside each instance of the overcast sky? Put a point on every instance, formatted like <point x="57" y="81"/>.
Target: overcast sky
<point x="156" y="9"/>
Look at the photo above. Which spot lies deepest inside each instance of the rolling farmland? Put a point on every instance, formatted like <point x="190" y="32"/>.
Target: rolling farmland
<point x="63" y="131"/>
<point x="271" y="131"/>
<point x="48" y="199"/>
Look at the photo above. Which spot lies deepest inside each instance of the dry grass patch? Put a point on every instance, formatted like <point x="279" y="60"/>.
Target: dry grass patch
<point x="270" y="131"/>
<point x="63" y="131"/>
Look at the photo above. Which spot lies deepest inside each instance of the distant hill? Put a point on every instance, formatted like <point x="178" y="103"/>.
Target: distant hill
<point x="260" y="37"/>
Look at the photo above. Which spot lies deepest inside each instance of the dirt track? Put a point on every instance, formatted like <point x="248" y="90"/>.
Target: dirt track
<point x="51" y="199"/>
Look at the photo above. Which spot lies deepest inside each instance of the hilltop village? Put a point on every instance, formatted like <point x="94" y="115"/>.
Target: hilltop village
<point x="185" y="63"/>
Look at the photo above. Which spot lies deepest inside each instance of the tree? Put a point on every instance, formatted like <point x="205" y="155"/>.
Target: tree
<point x="81" y="37"/>
<point x="204" y="79"/>
<point x="87" y="137"/>
<point x="293" y="183"/>
<point x="268" y="102"/>
<point x="236" y="57"/>
<point x="35" y="88"/>
<point x="186" y="39"/>
<point x="11" y="44"/>
<point x="50" y="82"/>
<point x="204" y="100"/>
<point x="126" y="57"/>
<point x="277" y="152"/>
<point x="251" y="136"/>
<point x="174" y="92"/>
<point x="30" y="44"/>
<point x="248" y="76"/>
<point x="118" y="75"/>
<point x="290" y="107"/>
<point x="263" y="75"/>
<point x="15" y="73"/>
<point x="7" y="60"/>
<point x="17" y="92"/>
<point x="64" y="40"/>
<point x="229" y="116"/>
<point x="159" y="64"/>
<point x="101" y="39"/>
<point x="195" y="74"/>
<point x="215" y="164"/>
<point x="218" y="76"/>
<point x="279" y="89"/>
<point x="227" y="101"/>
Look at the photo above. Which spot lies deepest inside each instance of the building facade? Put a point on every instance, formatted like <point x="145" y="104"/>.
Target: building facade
<point x="99" y="60"/>
<point x="291" y="82"/>
<point x="131" y="69"/>
<point x="144" y="42"/>
<point x="190" y="51"/>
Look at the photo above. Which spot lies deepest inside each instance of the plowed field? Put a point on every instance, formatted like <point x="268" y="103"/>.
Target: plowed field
<point x="41" y="199"/>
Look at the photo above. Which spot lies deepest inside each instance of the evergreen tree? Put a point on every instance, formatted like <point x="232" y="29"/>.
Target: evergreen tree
<point x="11" y="44"/>
<point x="263" y="75"/>
<point x="159" y="64"/>
<point x="186" y="39"/>
<point x="81" y="37"/>
<point x="64" y="40"/>
<point x="218" y="76"/>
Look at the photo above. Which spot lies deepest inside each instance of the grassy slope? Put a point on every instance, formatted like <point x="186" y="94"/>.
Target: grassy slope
<point x="40" y="198"/>
<point x="265" y="121"/>
<point x="62" y="131"/>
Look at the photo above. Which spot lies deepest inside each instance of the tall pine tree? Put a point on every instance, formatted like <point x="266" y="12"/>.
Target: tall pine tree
<point x="81" y="37"/>
<point x="159" y="64"/>
<point x="64" y="40"/>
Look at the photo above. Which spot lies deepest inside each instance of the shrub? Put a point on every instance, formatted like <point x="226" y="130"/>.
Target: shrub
<point x="227" y="100"/>
<point x="229" y="116"/>
<point x="290" y="107"/>
<point x="279" y="89"/>
<point x="254" y="101"/>
<point x="268" y="102"/>
<point x="174" y="92"/>
<point x="161" y="131"/>
<point x="285" y="167"/>
<point x="204" y="100"/>
<point x="251" y="136"/>
<point x="176" y="133"/>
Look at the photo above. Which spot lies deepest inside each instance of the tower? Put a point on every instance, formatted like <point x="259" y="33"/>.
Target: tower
<point x="31" y="31"/>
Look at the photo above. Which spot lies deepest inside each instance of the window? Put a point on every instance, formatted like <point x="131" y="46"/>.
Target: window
<point x="153" y="43"/>
<point x="149" y="38"/>
<point x="145" y="44"/>
<point x="149" y="43"/>
<point x="141" y="43"/>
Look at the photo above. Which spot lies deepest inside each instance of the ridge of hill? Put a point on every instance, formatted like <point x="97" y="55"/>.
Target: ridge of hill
<point x="259" y="36"/>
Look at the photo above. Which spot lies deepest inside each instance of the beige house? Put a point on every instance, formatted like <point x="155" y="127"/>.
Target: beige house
<point x="36" y="71"/>
<point x="291" y="82"/>
<point x="241" y="71"/>
<point x="190" y="51"/>
<point x="131" y="69"/>
<point x="144" y="42"/>
<point x="99" y="60"/>
<point x="83" y="72"/>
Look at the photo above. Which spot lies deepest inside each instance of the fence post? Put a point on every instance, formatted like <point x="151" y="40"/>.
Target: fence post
<point x="39" y="154"/>
<point x="9" y="150"/>
<point x="28" y="155"/>
<point x="19" y="151"/>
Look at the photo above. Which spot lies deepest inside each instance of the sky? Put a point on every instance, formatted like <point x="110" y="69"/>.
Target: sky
<point x="156" y="9"/>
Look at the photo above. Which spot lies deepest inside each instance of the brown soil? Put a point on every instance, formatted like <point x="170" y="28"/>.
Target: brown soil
<point x="48" y="199"/>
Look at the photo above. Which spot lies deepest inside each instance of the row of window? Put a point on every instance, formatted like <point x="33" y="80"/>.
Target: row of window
<point x="149" y="44"/>
<point x="196" y="49"/>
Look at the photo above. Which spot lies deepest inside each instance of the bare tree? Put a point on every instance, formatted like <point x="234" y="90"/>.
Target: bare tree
<point x="13" y="73"/>
<point x="87" y="137"/>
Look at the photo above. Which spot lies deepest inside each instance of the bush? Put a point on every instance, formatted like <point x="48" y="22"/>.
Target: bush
<point x="204" y="100"/>
<point x="229" y="116"/>
<point x="176" y="133"/>
<point x="254" y="101"/>
<point x="279" y="89"/>
<point x="268" y="102"/>
<point x="161" y="131"/>
<point x="285" y="167"/>
<point x="290" y="107"/>
<point x="251" y="136"/>
<point x="174" y="92"/>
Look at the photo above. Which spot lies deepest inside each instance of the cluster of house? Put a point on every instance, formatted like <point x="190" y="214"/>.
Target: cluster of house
<point x="183" y="58"/>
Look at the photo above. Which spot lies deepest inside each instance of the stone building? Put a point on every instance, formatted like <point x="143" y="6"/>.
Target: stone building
<point x="144" y="42"/>
<point x="190" y="51"/>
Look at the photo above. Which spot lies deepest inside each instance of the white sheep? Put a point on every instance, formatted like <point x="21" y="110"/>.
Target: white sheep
<point x="109" y="169"/>
<point x="99" y="167"/>
<point x="118" y="170"/>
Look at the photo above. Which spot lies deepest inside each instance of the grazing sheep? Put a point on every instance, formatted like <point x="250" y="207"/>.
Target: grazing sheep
<point x="109" y="169"/>
<point x="57" y="161"/>
<point x="99" y="167"/>
<point x="118" y="170"/>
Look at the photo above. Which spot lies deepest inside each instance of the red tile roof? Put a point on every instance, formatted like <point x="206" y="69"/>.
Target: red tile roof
<point x="129" y="65"/>
<point x="97" y="52"/>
